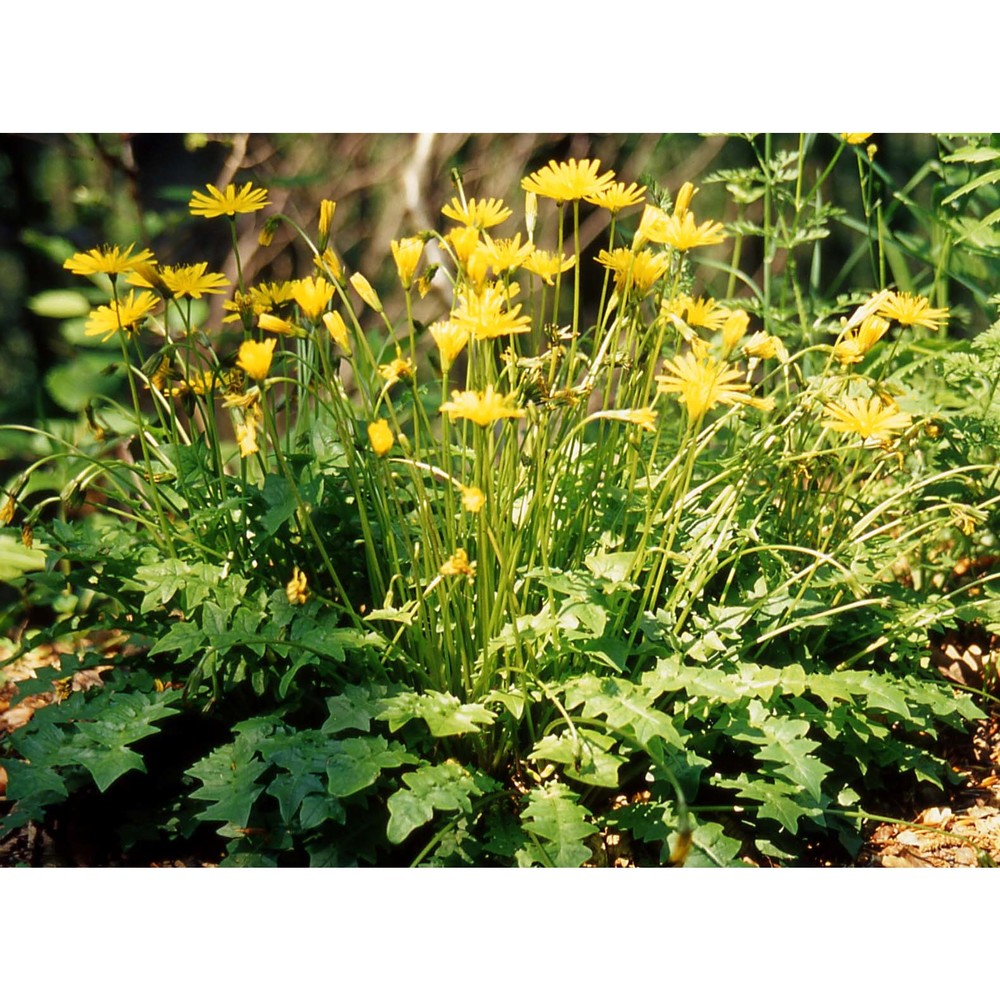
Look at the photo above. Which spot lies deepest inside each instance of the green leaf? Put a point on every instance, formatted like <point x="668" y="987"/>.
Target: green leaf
<point x="447" y="787"/>
<point x="106" y="765"/>
<point x="778" y="800"/>
<point x="356" y="763"/>
<point x="555" y="816"/>
<point x="354" y="709"/>
<point x="444" y="714"/>
<point x="585" y="756"/>
<point x="627" y="708"/>
<point x="281" y="503"/>
<point x="229" y="780"/>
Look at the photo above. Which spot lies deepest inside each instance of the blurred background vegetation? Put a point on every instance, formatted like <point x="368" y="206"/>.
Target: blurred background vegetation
<point x="60" y="193"/>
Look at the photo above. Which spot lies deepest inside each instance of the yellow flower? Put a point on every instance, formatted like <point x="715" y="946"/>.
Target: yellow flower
<point x="246" y="435"/>
<point x="255" y="357"/>
<point x="297" y="589"/>
<point x="530" y="213"/>
<point x="476" y="266"/>
<point x="406" y="253"/>
<point x="480" y="214"/>
<point x="190" y="280"/>
<point x="683" y="200"/>
<point x="912" y="310"/>
<point x="702" y="383"/>
<point x="644" y="417"/>
<point x="473" y="498"/>
<point x="313" y="295"/>
<point x="266" y="236"/>
<point x="615" y="197"/>
<point x="505" y="255"/>
<point x="381" y="437"/>
<point x="764" y="346"/>
<point x="326" y="210"/>
<point x="733" y="329"/>
<point x="640" y="270"/>
<point x="463" y="240"/>
<point x="482" y="408"/>
<point x="275" y="324"/>
<point x="875" y="422"/>
<point x="458" y="564"/>
<point x="680" y="232"/>
<point x="486" y="316"/>
<point x="7" y="510"/>
<point x="368" y="294"/>
<point x="200" y="383"/>
<point x="328" y="262"/>
<point x="397" y="369"/>
<point x="247" y="418"/>
<point x="568" y="181"/>
<point x="547" y="265"/>
<point x="854" y="346"/>
<point x="451" y="338"/>
<point x="108" y="260"/>
<point x="855" y="138"/>
<point x="703" y="313"/>
<point x="123" y="315"/>
<point x="216" y="202"/>
<point x="337" y="329"/>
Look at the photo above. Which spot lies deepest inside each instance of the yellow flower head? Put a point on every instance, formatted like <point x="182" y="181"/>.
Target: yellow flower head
<point x="733" y="329"/>
<point x="876" y="422"/>
<point x="547" y="265"/>
<point x="634" y="269"/>
<point x="328" y="261"/>
<point x="337" y="329"/>
<point x="190" y="280"/>
<point x="451" y="338"/>
<point x="7" y="510"/>
<point x="125" y="314"/>
<point x="255" y="357"/>
<point x="368" y="294"/>
<point x="530" y="213"/>
<point x="616" y="196"/>
<point x="406" y="253"/>
<point x="473" y="498"/>
<point x="765" y="347"/>
<point x="397" y="369"/>
<point x="680" y="232"/>
<point x="505" y="255"/>
<point x="313" y="295"/>
<point x="912" y="310"/>
<point x="568" y="181"/>
<point x="702" y="313"/>
<point x="485" y="314"/>
<point x="381" y="437"/>
<point x="458" y="564"/>
<point x="216" y="202"/>
<point x="275" y="324"/>
<point x="297" y="589"/>
<point x="702" y="383"/>
<point x="482" y="408"/>
<point x="853" y="346"/>
<point x="326" y="210"/>
<point x="108" y="260"/>
<point x="480" y="214"/>
<point x="855" y="138"/>
<point x="463" y="240"/>
<point x="644" y="417"/>
<point x="683" y="200"/>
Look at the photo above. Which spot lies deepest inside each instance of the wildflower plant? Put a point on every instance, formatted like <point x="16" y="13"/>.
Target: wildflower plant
<point x="486" y="574"/>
